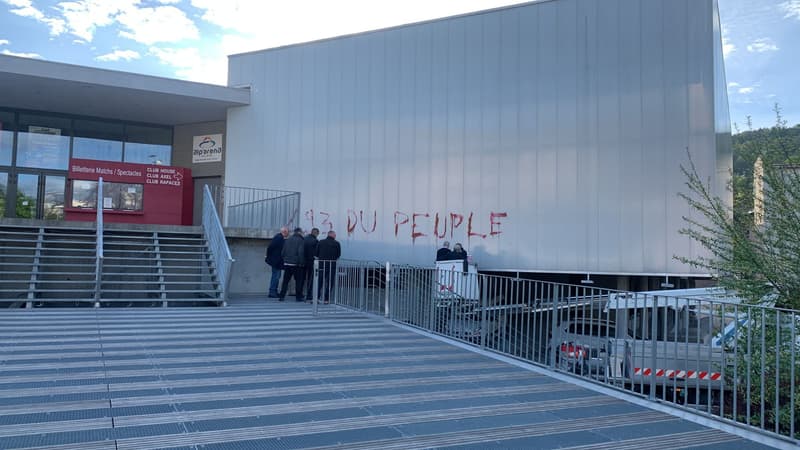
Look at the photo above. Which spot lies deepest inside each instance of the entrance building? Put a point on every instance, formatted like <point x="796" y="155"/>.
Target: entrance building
<point x="51" y="113"/>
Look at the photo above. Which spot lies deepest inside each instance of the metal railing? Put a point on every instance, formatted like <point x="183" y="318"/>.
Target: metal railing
<point x="251" y="208"/>
<point x="703" y="351"/>
<point x="349" y="284"/>
<point x="220" y="252"/>
<point x="98" y="275"/>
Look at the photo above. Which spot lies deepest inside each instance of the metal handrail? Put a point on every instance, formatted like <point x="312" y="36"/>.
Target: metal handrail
<point x="220" y="251"/>
<point x="254" y="208"/>
<point x="703" y="351"/>
<point x="99" y="244"/>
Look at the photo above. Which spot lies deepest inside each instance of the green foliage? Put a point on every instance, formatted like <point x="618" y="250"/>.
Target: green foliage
<point x="26" y="206"/>
<point x="753" y="260"/>
<point x="768" y="367"/>
<point x="760" y="260"/>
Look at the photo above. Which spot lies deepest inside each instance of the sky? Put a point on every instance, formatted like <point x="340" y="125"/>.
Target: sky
<point x="190" y="39"/>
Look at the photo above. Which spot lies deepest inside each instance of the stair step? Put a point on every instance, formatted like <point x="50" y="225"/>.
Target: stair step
<point x="154" y="291"/>
<point x="92" y="289"/>
<point x="106" y="251"/>
<point x="117" y="266"/>
<point x="166" y="283"/>
<point x="126" y="258"/>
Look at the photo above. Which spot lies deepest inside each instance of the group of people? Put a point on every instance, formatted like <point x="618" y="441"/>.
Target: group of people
<point x="445" y="254"/>
<point x="293" y="256"/>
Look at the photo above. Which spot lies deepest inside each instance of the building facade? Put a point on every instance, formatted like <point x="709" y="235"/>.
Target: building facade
<point x="52" y="113"/>
<point x="545" y="137"/>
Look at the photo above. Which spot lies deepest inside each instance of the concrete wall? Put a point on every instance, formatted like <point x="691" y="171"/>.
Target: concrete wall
<point x="250" y="272"/>
<point x="210" y="173"/>
<point x="182" y="148"/>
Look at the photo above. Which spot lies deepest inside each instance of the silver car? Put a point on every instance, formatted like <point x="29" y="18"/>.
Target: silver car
<point x="581" y="345"/>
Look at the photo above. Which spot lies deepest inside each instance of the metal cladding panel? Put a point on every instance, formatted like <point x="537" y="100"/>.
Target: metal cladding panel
<point x="544" y="137"/>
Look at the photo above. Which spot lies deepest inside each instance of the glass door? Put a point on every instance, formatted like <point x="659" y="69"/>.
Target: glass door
<point x="27" y="196"/>
<point x="3" y="193"/>
<point x="39" y="196"/>
<point x="53" y="197"/>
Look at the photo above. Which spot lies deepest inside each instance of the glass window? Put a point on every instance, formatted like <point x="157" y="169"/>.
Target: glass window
<point x="84" y="194"/>
<point x="148" y="153"/>
<point x="91" y="148"/>
<point x="6" y="137"/>
<point x="130" y="197"/>
<point x="97" y="140"/>
<point x="53" y="202"/>
<point x="116" y="196"/>
<point x="43" y="142"/>
<point x="27" y="195"/>
<point x="148" y="145"/>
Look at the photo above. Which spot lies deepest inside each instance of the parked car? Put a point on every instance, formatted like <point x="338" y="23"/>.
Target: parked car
<point x="581" y="345"/>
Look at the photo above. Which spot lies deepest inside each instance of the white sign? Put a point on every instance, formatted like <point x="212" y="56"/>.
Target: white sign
<point x="207" y="148"/>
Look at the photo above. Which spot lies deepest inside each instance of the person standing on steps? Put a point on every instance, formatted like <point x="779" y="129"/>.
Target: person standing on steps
<point x="310" y="244"/>
<point x="328" y="252"/>
<point x="293" y="262"/>
<point x="275" y="260"/>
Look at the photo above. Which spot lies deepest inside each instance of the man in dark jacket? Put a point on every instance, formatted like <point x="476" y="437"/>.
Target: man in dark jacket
<point x="310" y="248"/>
<point x="275" y="260"/>
<point x="293" y="261"/>
<point x="443" y="254"/>
<point x="328" y="252"/>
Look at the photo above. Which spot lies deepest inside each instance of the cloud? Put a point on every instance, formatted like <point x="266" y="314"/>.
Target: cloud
<point x="177" y="57"/>
<point x="160" y="24"/>
<point x="190" y="65"/>
<point x="733" y="84"/>
<point x="727" y="46"/>
<point x="117" y="55"/>
<point x="762" y="45"/>
<point x="23" y="55"/>
<point x="25" y="8"/>
<point x="256" y="25"/>
<point x="4" y="42"/>
<point x="83" y="17"/>
<point x="746" y="90"/>
<point x="791" y="8"/>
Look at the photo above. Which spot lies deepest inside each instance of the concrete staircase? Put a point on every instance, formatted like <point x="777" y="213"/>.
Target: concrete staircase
<point x="56" y="265"/>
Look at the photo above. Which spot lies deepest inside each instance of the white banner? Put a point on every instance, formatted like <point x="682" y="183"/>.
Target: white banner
<point x="207" y="148"/>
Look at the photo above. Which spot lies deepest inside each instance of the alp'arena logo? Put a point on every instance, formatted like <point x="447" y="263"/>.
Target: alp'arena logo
<point x="207" y="148"/>
<point x="207" y="143"/>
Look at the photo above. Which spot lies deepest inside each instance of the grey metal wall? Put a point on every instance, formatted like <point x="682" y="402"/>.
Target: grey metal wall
<point x="558" y="127"/>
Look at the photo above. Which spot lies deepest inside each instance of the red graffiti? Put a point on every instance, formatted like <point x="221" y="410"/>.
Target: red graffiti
<point x="396" y="223"/>
<point x="419" y="226"/>
<point x="352" y="218"/>
<point x="310" y="217"/>
<point x="374" y="221"/>
<point x="453" y="223"/>
<point x="325" y="221"/>
<point x="493" y="222"/>
<point x="414" y="233"/>
<point x="436" y="227"/>
<point x="471" y="233"/>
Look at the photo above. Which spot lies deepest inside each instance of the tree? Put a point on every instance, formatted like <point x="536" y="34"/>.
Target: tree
<point x="758" y="257"/>
<point x="752" y="259"/>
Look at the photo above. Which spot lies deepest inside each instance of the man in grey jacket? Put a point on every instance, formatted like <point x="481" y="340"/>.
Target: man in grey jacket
<point x="293" y="262"/>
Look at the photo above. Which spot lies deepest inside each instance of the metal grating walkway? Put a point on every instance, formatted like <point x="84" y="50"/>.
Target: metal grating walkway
<point x="262" y="375"/>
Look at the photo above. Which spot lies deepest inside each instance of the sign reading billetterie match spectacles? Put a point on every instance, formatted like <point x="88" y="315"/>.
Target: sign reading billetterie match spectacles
<point x="207" y="148"/>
